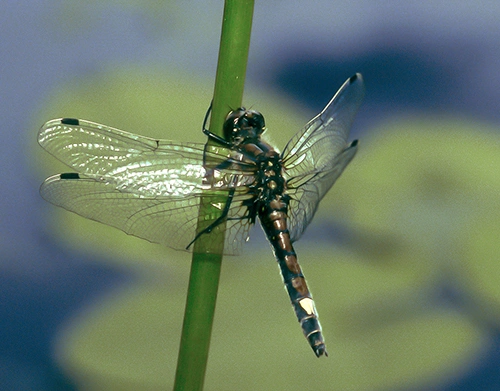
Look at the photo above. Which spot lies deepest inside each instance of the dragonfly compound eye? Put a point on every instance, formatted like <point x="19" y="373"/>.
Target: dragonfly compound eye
<point x="255" y="120"/>
<point x="243" y="123"/>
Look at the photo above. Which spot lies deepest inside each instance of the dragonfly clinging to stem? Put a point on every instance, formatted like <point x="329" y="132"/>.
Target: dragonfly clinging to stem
<point x="152" y="188"/>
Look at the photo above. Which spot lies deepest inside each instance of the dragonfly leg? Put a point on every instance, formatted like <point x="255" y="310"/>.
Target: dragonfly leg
<point x="203" y="128"/>
<point x="213" y="136"/>
<point x="217" y="221"/>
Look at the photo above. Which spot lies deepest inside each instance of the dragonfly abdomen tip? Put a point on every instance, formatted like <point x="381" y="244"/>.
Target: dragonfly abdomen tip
<point x="320" y="350"/>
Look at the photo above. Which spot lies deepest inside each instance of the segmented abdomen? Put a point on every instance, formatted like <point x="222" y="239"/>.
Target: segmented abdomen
<point x="273" y="216"/>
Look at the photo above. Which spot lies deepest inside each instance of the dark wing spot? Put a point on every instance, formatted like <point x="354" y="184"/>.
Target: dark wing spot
<point x="70" y="121"/>
<point x="70" y="175"/>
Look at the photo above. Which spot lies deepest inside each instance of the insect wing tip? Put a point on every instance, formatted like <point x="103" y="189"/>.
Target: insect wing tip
<point x="46" y="130"/>
<point x="355" y="77"/>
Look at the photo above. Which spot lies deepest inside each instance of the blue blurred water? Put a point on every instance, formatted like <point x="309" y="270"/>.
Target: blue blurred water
<point x="413" y="57"/>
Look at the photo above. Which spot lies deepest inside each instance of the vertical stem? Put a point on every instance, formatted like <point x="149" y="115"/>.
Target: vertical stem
<point x="207" y="255"/>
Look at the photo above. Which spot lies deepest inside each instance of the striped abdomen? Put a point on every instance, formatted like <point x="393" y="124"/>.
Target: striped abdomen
<point x="273" y="216"/>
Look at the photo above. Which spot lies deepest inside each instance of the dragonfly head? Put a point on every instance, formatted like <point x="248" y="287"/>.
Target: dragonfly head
<point x="244" y="126"/>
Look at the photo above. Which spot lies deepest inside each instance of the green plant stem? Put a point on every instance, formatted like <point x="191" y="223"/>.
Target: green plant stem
<point x="207" y="254"/>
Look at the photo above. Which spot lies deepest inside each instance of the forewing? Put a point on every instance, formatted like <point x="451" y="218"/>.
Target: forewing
<point x="315" y="157"/>
<point x="145" y="187"/>
<point x="138" y="164"/>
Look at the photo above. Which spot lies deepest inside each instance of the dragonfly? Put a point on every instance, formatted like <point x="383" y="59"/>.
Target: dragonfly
<point x="153" y="188"/>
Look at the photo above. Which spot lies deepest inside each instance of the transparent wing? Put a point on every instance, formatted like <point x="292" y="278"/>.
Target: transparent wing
<point x="316" y="156"/>
<point x="139" y="164"/>
<point x="145" y="187"/>
<point x="307" y="190"/>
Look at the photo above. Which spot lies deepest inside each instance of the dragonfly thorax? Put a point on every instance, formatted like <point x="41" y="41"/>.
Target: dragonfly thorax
<point x="271" y="179"/>
<point x="244" y="126"/>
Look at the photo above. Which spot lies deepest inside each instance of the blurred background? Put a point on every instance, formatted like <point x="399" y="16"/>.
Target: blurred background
<point x="402" y="256"/>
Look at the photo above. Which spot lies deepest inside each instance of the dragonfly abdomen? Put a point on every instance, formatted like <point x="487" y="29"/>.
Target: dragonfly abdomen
<point x="273" y="216"/>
